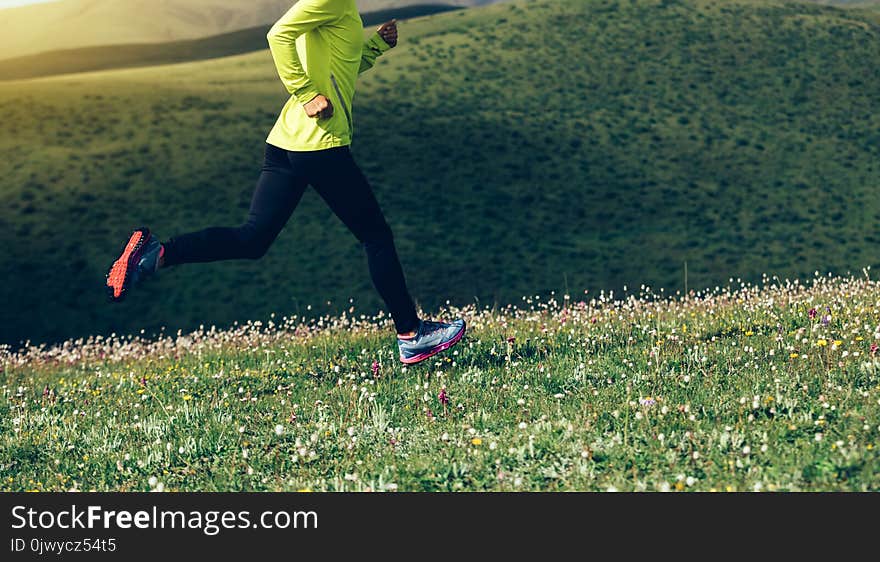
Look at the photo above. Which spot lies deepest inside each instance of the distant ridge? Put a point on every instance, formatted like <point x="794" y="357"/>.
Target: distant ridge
<point x="89" y="59"/>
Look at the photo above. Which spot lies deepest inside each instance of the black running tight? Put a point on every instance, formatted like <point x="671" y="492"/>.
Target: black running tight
<point x="283" y="180"/>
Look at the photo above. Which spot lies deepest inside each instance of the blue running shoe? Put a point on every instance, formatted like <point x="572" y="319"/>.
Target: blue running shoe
<point x="139" y="259"/>
<point x="431" y="338"/>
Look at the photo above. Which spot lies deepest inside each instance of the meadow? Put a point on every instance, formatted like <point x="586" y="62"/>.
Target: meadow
<point x="770" y="387"/>
<point x="516" y="149"/>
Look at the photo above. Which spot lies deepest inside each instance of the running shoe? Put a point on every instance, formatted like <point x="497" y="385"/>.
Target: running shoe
<point x="431" y="338"/>
<point x="139" y="259"/>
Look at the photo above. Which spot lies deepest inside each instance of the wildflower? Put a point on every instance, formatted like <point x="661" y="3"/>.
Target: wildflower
<point x="375" y="368"/>
<point x="826" y="319"/>
<point x="647" y="402"/>
<point x="279" y="429"/>
<point x="443" y="397"/>
<point x="476" y="441"/>
<point x="874" y="348"/>
<point x="812" y="313"/>
<point x="511" y="339"/>
<point x="822" y="342"/>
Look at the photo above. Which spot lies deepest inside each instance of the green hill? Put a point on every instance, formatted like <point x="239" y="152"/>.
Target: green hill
<point x="516" y="148"/>
<point x="107" y="57"/>
<point x="72" y="24"/>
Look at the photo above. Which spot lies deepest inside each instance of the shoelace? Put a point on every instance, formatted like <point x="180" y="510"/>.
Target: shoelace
<point x="429" y="327"/>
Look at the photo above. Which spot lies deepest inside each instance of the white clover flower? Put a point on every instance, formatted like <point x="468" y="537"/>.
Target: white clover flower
<point x="279" y="429"/>
<point x="153" y="481"/>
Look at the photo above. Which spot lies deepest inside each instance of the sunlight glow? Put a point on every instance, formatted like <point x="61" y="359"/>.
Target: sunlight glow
<point x="16" y="3"/>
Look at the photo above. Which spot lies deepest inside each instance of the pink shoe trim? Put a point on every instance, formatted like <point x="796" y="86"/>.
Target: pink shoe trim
<point x="434" y="351"/>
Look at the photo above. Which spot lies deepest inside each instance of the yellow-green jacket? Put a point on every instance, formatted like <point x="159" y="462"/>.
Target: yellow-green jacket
<point x="318" y="47"/>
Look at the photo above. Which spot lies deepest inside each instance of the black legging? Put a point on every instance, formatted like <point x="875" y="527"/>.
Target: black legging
<point x="283" y="180"/>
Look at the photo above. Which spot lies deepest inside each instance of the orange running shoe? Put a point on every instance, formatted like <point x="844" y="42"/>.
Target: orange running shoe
<point x="139" y="259"/>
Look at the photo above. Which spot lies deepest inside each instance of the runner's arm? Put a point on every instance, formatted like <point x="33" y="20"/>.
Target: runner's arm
<point x="304" y="16"/>
<point x="374" y="46"/>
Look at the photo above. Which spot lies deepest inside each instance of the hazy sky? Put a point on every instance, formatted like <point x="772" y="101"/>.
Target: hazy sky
<point x="12" y="3"/>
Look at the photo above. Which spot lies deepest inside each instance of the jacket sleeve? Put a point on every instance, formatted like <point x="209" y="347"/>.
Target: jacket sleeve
<point x="373" y="48"/>
<point x="304" y="16"/>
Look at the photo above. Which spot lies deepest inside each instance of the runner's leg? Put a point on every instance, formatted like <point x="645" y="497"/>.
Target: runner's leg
<point x="279" y="189"/>
<point x="338" y="180"/>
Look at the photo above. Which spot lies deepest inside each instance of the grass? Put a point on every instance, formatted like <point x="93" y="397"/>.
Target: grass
<point x="516" y="149"/>
<point x="744" y="388"/>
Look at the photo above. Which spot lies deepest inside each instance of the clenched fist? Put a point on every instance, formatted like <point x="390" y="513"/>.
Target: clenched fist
<point x="388" y="32"/>
<point x="319" y="107"/>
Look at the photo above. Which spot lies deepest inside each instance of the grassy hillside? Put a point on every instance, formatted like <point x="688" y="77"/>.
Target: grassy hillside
<point x="147" y="54"/>
<point x="516" y="149"/>
<point x="72" y="24"/>
<point x="771" y="389"/>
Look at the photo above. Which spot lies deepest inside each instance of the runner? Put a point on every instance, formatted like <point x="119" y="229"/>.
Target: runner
<point x="319" y="50"/>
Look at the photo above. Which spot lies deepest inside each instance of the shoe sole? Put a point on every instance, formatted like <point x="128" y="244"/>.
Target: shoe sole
<point x="434" y="351"/>
<point x="119" y="277"/>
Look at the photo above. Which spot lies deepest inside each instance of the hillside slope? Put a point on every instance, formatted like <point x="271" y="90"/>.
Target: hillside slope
<point x="85" y="59"/>
<point x="71" y="24"/>
<point x="516" y="149"/>
<point x="771" y="388"/>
